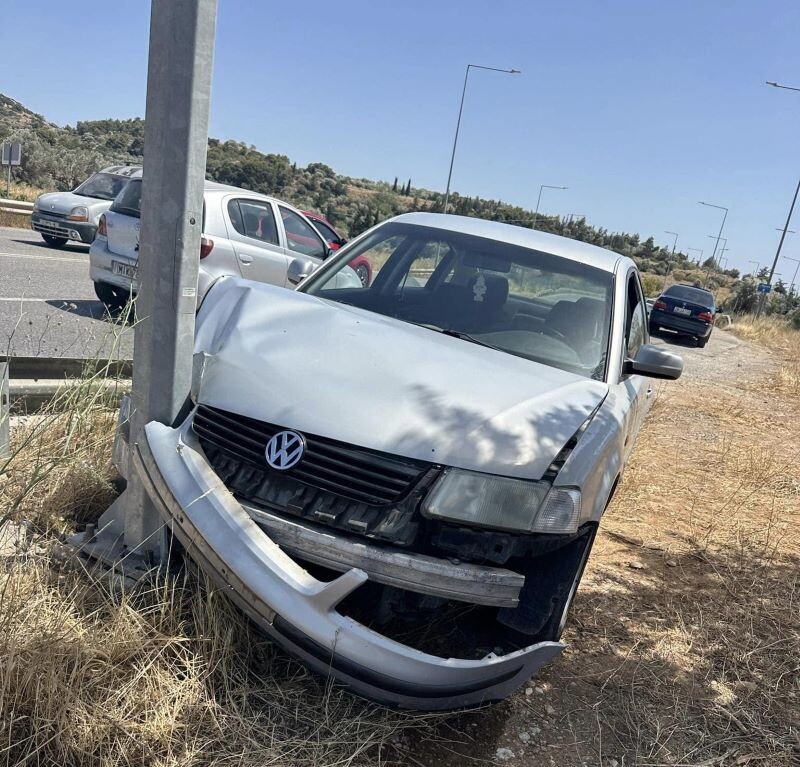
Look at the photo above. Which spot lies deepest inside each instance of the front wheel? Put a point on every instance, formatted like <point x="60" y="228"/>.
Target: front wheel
<point x="54" y="242"/>
<point x="114" y="299"/>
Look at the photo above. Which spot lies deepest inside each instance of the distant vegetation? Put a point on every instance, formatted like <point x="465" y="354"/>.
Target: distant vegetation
<point x="57" y="157"/>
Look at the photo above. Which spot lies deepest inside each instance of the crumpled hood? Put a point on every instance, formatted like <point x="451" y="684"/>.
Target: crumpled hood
<point x="332" y="370"/>
<point x="64" y="202"/>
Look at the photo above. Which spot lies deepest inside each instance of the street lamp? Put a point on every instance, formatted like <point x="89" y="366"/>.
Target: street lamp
<point x="794" y="277"/>
<point x="697" y="250"/>
<point x="756" y="270"/>
<point x="713" y="263"/>
<point x="672" y="257"/>
<point x="458" y="124"/>
<point x="763" y="296"/>
<point x="722" y="225"/>
<point x="539" y="199"/>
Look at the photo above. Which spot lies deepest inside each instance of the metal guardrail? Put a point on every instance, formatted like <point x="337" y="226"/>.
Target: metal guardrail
<point x="28" y="383"/>
<point x="16" y="206"/>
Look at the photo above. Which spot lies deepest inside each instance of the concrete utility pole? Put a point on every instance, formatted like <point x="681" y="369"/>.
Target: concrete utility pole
<point x="763" y="296"/>
<point x="672" y="256"/>
<point x="176" y="137"/>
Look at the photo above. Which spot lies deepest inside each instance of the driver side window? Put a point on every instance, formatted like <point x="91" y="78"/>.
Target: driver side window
<point x="635" y="317"/>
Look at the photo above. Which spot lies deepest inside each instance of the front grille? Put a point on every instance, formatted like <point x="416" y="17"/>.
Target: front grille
<point x="52" y="214"/>
<point x="357" y="473"/>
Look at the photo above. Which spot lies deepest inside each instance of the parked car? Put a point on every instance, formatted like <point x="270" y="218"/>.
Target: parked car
<point x="63" y="216"/>
<point x="685" y="310"/>
<point x="438" y="451"/>
<point x="244" y="234"/>
<point x="360" y="265"/>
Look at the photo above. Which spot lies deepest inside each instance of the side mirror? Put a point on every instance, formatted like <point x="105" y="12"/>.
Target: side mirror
<point x="299" y="269"/>
<point x="654" y="362"/>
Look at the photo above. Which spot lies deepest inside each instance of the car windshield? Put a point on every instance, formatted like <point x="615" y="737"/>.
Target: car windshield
<point x="102" y="186"/>
<point x="520" y="301"/>
<point x="686" y="293"/>
<point x="130" y="201"/>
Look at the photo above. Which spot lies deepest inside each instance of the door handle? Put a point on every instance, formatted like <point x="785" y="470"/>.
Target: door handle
<point x="246" y="259"/>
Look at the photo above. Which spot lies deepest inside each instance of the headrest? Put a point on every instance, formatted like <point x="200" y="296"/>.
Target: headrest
<point x="488" y="290"/>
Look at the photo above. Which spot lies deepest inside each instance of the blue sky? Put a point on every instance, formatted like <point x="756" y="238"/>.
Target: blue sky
<point x="640" y="107"/>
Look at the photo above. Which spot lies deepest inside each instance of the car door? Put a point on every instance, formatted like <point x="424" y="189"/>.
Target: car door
<point x="637" y="388"/>
<point x="256" y="240"/>
<point x="300" y="237"/>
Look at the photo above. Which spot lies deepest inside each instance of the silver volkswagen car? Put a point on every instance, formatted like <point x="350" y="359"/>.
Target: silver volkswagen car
<point x="401" y="482"/>
<point x="245" y="234"/>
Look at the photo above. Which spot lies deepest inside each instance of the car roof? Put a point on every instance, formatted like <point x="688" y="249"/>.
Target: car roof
<point x="687" y="285"/>
<point x="212" y="186"/>
<point x="574" y="250"/>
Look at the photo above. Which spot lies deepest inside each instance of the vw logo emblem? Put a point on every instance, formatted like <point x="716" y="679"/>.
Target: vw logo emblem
<point x="285" y="449"/>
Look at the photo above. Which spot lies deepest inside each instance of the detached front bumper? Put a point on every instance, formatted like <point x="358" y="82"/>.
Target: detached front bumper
<point x="298" y="611"/>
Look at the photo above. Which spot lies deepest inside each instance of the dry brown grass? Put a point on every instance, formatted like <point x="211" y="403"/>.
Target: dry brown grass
<point x="684" y="642"/>
<point x="168" y="674"/>
<point x="16" y="220"/>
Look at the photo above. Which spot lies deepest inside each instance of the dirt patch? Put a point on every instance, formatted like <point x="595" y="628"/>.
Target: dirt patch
<point x="685" y="635"/>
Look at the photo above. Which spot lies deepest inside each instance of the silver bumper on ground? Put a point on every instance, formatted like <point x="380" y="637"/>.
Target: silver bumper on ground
<point x="297" y="610"/>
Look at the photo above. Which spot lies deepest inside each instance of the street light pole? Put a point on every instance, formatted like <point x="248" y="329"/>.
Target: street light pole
<point x="794" y="277"/>
<point x="722" y="225"/>
<point x="697" y="250"/>
<point x="539" y="199"/>
<point x="713" y="263"/>
<point x="672" y="257"/>
<point x="176" y="136"/>
<point x="458" y="123"/>
<point x="763" y="297"/>
<point x="760" y="306"/>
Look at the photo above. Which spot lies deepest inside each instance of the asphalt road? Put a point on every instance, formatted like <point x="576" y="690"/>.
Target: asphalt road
<point x="47" y="303"/>
<point x="48" y="307"/>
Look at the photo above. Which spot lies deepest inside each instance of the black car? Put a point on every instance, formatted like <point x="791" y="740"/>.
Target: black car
<point x="686" y="310"/>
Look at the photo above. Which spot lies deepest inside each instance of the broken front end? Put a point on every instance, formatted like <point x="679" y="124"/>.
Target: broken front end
<point x="387" y="572"/>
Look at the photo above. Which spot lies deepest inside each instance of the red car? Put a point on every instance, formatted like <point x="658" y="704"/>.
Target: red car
<point x="360" y="264"/>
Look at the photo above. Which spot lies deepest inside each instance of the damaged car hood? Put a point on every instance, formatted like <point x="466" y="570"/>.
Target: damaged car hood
<point x="333" y="370"/>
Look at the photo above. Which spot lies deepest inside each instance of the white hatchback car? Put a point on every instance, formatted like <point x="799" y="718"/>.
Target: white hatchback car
<point x="245" y="234"/>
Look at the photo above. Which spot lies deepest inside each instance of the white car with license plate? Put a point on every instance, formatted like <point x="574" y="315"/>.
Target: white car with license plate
<point x="75" y="215"/>
<point x="401" y="482"/>
<point x="244" y="234"/>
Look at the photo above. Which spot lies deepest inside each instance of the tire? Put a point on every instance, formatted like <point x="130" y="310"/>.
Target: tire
<point x="653" y="329"/>
<point x="363" y="274"/>
<point x="54" y="242"/>
<point x="115" y="299"/>
<point x="701" y="342"/>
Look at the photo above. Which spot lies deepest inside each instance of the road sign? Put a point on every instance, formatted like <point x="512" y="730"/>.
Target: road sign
<point x="11" y="153"/>
<point x="764" y="287"/>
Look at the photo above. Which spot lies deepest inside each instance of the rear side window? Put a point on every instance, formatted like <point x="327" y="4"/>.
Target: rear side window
<point x="300" y="236"/>
<point x="129" y="202"/>
<point x="254" y="219"/>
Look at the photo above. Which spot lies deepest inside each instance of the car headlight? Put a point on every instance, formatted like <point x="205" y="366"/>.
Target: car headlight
<point x="78" y="213"/>
<point x="503" y="503"/>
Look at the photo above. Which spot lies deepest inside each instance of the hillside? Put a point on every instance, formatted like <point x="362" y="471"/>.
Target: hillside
<point x="57" y="157"/>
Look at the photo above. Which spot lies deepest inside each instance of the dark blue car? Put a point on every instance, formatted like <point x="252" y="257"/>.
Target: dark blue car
<point x="686" y="310"/>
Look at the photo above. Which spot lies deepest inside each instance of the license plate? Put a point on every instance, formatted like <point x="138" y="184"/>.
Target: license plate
<point x="681" y="310"/>
<point x="123" y="270"/>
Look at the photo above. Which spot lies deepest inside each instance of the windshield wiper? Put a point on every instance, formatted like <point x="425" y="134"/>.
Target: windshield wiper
<point x="463" y="336"/>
